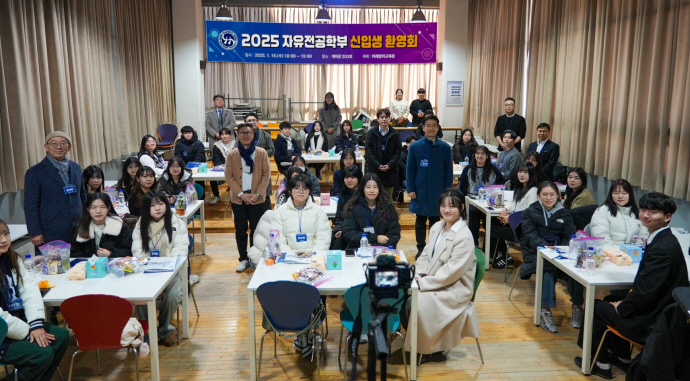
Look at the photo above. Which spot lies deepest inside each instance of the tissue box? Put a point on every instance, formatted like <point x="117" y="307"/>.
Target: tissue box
<point x="334" y="260"/>
<point x="635" y="252"/>
<point x="203" y="168"/>
<point x="98" y="269"/>
<point x="325" y="199"/>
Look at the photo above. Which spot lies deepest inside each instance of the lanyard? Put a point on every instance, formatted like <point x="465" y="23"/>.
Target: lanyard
<point x="299" y="211"/>
<point x="371" y="217"/>
<point x="159" y="239"/>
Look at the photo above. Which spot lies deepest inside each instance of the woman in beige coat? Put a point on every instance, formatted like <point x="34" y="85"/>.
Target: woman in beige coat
<point x="445" y="275"/>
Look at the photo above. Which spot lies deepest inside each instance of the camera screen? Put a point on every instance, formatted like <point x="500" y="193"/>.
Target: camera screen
<point x="386" y="278"/>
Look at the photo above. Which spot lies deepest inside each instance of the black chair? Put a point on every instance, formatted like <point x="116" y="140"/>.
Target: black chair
<point x="582" y="216"/>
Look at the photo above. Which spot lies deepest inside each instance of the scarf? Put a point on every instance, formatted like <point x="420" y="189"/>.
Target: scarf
<point x="289" y="142"/>
<point x="247" y="153"/>
<point x="62" y="167"/>
<point x="156" y="229"/>
<point x="156" y="159"/>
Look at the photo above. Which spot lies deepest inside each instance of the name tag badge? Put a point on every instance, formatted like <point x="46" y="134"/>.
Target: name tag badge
<point x="424" y="163"/>
<point x="16" y="304"/>
<point x="383" y="147"/>
<point x="302" y="237"/>
<point x="419" y="110"/>
<point x="369" y="229"/>
<point x="70" y="189"/>
<point x="155" y="253"/>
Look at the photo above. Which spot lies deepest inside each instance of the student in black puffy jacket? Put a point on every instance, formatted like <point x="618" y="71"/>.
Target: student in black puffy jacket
<point x="370" y="211"/>
<point x="547" y="223"/>
<point x="189" y="147"/>
<point x="101" y="231"/>
<point x="347" y="138"/>
<point x="352" y="175"/>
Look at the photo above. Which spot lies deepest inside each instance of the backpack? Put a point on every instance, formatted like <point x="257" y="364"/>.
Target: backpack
<point x="560" y="173"/>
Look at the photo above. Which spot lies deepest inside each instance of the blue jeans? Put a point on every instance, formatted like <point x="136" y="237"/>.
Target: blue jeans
<point x="548" y="290"/>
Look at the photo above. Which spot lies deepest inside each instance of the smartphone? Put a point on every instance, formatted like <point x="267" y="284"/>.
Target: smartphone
<point x="350" y="252"/>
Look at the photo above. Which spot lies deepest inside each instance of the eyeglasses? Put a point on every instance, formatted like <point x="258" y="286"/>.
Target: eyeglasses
<point x="549" y="195"/>
<point x="246" y="133"/>
<point x="301" y="190"/>
<point x="61" y="144"/>
<point x="510" y="105"/>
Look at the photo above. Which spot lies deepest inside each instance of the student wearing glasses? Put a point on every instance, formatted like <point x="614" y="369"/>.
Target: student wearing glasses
<point x="247" y="173"/>
<point x="303" y="225"/>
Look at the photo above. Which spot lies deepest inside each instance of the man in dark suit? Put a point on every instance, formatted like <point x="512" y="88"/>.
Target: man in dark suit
<point x="661" y="270"/>
<point x="510" y="121"/>
<point x="218" y="118"/>
<point x="54" y="193"/>
<point x="548" y="150"/>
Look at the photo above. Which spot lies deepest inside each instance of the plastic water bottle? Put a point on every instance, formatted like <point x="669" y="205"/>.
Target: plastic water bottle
<point x="467" y="158"/>
<point x="274" y="245"/>
<point x="267" y="254"/>
<point x="573" y="248"/>
<point x="364" y="250"/>
<point x="30" y="268"/>
<point x="482" y="193"/>
<point x="121" y="198"/>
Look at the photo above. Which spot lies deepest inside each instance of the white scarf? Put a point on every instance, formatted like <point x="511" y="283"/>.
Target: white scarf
<point x="316" y="144"/>
<point x="156" y="229"/>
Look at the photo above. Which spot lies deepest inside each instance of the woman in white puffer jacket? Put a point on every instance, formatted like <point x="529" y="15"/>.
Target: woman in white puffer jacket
<point x="302" y="224"/>
<point x="616" y="220"/>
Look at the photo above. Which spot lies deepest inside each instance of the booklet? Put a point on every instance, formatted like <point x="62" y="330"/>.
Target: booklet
<point x="161" y="264"/>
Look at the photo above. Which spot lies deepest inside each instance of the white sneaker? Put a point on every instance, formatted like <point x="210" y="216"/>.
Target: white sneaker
<point x="242" y="266"/>
<point x="214" y="200"/>
<point x="547" y="321"/>
<point x="193" y="278"/>
<point x="363" y="338"/>
<point x="576" y="319"/>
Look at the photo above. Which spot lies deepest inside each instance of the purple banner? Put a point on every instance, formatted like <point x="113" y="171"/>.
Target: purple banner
<point x="250" y="42"/>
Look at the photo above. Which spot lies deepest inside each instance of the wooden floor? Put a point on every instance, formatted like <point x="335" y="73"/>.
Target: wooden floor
<point x="217" y="349"/>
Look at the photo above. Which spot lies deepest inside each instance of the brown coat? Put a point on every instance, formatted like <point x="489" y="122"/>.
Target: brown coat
<point x="260" y="178"/>
<point x="446" y="313"/>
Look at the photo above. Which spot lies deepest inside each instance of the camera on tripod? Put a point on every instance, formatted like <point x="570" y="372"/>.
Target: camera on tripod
<point x="386" y="277"/>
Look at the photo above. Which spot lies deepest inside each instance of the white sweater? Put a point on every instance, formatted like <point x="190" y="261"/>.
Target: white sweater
<point x="618" y="229"/>
<point x="314" y="224"/>
<point x="178" y="246"/>
<point x="530" y="198"/>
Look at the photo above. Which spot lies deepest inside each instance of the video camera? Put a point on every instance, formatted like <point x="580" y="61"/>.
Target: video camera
<point x="386" y="277"/>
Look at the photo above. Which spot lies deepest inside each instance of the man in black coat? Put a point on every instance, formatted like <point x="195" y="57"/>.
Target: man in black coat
<point x="547" y="150"/>
<point x="510" y="121"/>
<point x="419" y="106"/>
<point x="383" y="147"/>
<point x="661" y="270"/>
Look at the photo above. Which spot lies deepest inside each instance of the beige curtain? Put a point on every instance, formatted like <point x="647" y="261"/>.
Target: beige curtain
<point x="613" y="79"/>
<point x="57" y="72"/>
<point x="369" y="87"/>
<point x="495" y="61"/>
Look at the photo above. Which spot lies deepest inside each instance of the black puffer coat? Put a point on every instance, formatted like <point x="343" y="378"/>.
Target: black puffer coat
<point x="355" y="221"/>
<point x="538" y="229"/>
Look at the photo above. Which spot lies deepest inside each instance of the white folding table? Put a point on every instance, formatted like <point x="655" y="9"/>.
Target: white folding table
<point x="352" y="274"/>
<point x="140" y="289"/>
<point x="608" y="276"/>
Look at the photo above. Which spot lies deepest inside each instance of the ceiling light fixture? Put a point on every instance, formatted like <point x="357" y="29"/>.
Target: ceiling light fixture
<point x="224" y="12"/>
<point x="418" y="15"/>
<point x="323" y="16"/>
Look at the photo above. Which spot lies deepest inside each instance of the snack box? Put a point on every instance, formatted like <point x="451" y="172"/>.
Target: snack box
<point x="635" y="252"/>
<point x="334" y="260"/>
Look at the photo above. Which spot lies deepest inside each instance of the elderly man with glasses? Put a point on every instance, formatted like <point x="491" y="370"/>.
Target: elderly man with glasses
<point x="247" y="173"/>
<point x="510" y="121"/>
<point x="54" y="193"/>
